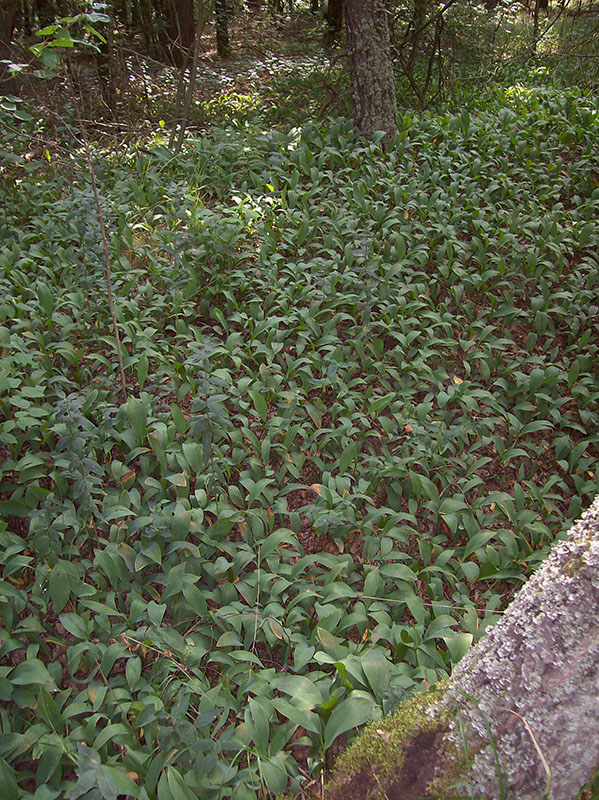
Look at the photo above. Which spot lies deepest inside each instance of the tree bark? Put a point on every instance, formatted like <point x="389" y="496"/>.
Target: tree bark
<point x="371" y="73"/>
<point x="518" y="718"/>
<point x="46" y="12"/>
<point x="416" y="34"/>
<point x="334" y="18"/>
<point x="223" y="43"/>
<point x="8" y="15"/>
<point x="107" y="67"/>
<point x="182" y="29"/>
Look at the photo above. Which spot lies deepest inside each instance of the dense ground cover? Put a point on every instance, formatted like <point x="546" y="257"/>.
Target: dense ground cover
<point x="362" y="404"/>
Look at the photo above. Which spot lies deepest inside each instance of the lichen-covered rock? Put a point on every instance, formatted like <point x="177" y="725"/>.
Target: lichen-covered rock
<point x="532" y="681"/>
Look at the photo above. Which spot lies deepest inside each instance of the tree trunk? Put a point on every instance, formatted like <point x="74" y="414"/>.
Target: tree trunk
<point x="535" y="27"/>
<point x="107" y="67"/>
<point x="417" y="30"/>
<point x="27" y="18"/>
<point x="518" y="718"/>
<point x="370" y="69"/>
<point x="46" y="12"/>
<point x="223" y="43"/>
<point x="334" y="18"/>
<point x="182" y="29"/>
<point x="8" y="15"/>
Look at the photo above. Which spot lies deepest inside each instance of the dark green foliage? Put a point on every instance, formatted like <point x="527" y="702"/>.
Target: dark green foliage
<point x="363" y="405"/>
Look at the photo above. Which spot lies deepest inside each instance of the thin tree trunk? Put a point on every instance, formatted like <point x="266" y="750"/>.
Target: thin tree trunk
<point x="27" y="15"/>
<point x="535" y="27"/>
<point x="223" y="43"/>
<point x="8" y="15"/>
<point x="334" y="17"/>
<point x="370" y="68"/>
<point x="182" y="29"/>
<point x="46" y="12"/>
<point x="108" y="68"/>
<point x="185" y="92"/>
<point x="418" y="26"/>
<point x="518" y="718"/>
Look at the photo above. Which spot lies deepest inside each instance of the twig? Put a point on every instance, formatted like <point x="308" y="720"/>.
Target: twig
<point x="92" y="175"/>
<point x="115" y="326"/>
<point x="193" y="71"/>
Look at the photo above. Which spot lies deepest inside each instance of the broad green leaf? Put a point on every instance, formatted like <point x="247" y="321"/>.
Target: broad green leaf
<point x="245" y="655"/>
<point x="349" y="454"/>
<point x="124" y="785"/>
<point x="376" y="668"/>
<point x="438" y="627"/>
<point x="480" y="539"/>
<point x="336" y="591"/>
<point x="32" y="673"/>
<point x="10" y="787"/>
<point x="75" y="625"/>
<point x="458" y="645"/>
<point x="177" y="785"/>
<point x="108" y="733"/>
<point x="133" y="672"/>
<point x="417" y="608"/>
<point x="178" y="479"/>
<point x="274" y="775"/>
<point x="46" y="300"/>
<point x="62" y="42"/>
<point x="138" y="416"/>
<point x="304" y="692"/>
<point x="47" y="765"/>
<point x="60" y="590"/>
<point x="299" y="716"/>
<point x="260" y="403"/>
<point x="257" y="720"/>
<point x="156" y="612"/>
<point x="333" y="646"/>
<point x="350" y="713"/>
<point x="194" y="455"/>
<point x="49" y="711"/>
<point x="229" y="639"/>
<point x="179" y="419"/>
<point x="398" y="571"/>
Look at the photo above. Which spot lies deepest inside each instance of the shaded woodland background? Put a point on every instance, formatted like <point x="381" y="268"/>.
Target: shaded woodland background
<point x="145" y="61"/>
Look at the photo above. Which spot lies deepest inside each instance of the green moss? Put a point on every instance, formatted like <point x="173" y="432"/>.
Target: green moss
<point x="374" y="760"/>
<point x="379" y="748"/>
<point x="389" y="735"/>
<point x="578" y="562"/>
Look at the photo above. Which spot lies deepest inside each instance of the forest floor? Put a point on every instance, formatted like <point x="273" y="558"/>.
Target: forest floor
<point x="360" y="405"/>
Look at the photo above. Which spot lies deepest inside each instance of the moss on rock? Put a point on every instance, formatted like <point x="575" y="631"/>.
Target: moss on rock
<point x="385" y="761"/>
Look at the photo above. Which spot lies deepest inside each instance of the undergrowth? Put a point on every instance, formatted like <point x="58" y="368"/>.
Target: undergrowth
<point x="362" y="406"/>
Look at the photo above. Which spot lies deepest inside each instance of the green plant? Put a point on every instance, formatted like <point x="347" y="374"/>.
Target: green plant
<point x="362" y="407"/>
